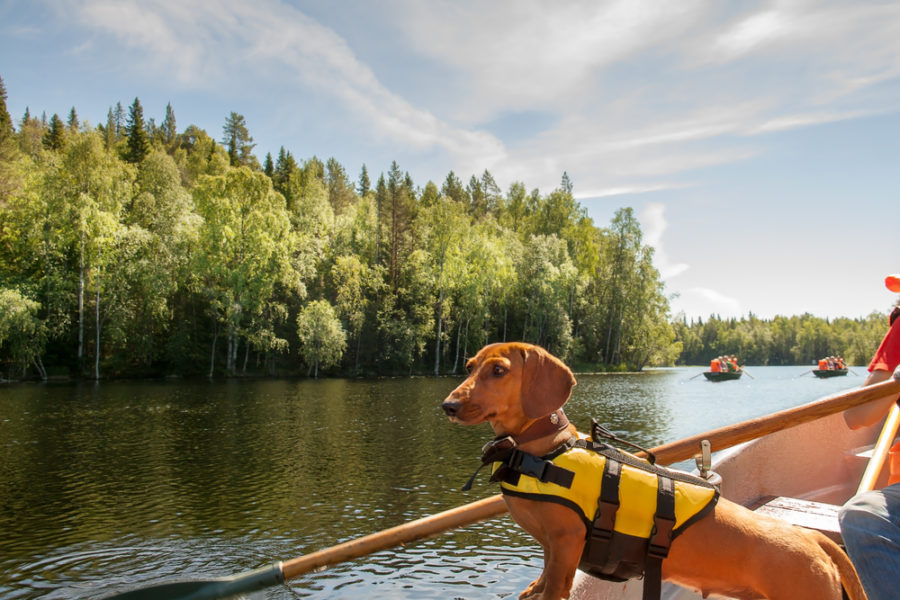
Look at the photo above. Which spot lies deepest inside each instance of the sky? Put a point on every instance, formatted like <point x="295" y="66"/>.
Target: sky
<point x="757" y="142"/>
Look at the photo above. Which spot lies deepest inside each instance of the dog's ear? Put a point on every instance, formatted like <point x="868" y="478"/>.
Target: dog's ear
<point x="546" y="383"/>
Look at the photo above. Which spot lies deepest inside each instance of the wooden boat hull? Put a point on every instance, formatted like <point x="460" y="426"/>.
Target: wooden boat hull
<point x="821" y="461"/>
<point x="722" y="375"/>
<point x="826" y="373"/>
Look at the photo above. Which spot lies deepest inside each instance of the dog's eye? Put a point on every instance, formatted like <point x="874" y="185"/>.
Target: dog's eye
<point x="469" y="368"/>
<point x="499" y="370"/>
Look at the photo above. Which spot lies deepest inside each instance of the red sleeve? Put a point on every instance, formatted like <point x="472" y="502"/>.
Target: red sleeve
<point x="888" y="356"/>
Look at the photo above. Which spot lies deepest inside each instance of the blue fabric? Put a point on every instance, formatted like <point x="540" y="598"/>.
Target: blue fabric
<point x="870" y="525"/>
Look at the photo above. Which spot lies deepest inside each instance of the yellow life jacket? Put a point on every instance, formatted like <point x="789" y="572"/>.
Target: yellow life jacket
<point x="632" y="509"/>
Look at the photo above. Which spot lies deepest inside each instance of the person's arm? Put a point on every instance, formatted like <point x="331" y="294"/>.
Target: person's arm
<point x="871" y="412"/>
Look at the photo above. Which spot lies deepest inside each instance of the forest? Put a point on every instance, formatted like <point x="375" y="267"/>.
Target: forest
<point x="130" y="249"/>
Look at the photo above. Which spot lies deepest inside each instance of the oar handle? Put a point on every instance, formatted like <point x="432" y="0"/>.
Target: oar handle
<point x="732" y="435"/>
<point x="396" y="536"/>
<point x="880" y="452"/>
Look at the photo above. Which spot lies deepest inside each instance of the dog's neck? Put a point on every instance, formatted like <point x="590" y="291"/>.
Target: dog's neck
<point x="540" y="436"/>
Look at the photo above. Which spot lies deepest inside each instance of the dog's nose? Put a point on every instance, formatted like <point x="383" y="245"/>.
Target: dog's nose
<point x="451" y="407"/>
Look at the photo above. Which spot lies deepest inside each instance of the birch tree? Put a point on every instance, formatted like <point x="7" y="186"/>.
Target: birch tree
<point x="322" y="338"/>
<point x="245" y="249"/>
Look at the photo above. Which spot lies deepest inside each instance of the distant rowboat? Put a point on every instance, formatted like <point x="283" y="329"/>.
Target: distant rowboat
<point x="825" y="373"/>
<point x="722" y="375"/>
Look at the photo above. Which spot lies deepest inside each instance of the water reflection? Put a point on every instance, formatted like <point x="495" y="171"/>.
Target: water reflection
<point x="104" y="487"/>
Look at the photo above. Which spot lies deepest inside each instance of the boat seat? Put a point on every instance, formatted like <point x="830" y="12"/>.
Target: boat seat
<point x="804" y="513"/>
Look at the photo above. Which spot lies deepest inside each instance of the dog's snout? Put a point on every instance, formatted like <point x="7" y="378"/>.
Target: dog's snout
<point x="451" y="407"/>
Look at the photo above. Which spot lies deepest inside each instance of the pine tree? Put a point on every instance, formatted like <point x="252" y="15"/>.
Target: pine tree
<point x="73" y="120"/>
<point x="453" y="188"/>
<point x="6" y="125"/>
<point x="8" y="150"/>
<point x="168" y="128"/>
<point x="236" y="138"/>
<point x="340" y="189"/>
<point x="109" y="132"/>
<point x="285" y="166"/>
<point x="138" y="141"/>
<point x="566" y="184"/>
<point x="55" y="137"/>
<point x="364" y="183"/>
<point x="396" y="214"/>
<point x="120" y="121"/>
<point x="493" y="197"/>
<point x="31" y="134"/>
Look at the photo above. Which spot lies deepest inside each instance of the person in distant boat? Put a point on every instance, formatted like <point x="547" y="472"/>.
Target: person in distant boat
<point x="870" y="522"/>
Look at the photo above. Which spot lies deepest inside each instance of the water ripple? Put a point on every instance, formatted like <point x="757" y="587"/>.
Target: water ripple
<point x="120" y="485"/>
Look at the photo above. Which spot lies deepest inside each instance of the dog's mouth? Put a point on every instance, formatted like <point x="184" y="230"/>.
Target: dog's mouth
<point x="465" y="414"/>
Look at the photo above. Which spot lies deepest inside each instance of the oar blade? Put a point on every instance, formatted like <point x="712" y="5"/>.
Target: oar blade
<point x="210" y="589"/>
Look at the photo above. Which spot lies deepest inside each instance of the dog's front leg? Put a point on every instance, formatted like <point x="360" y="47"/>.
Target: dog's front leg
<point x="561" y="534"/>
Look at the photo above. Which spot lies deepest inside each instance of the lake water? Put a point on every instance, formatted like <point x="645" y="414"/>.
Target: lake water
<point x="113" y="486"/>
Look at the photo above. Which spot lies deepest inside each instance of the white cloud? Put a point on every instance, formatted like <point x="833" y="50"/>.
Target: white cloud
<point x="701" y="302"/>
<point x="209" y="42"/>
<point x="752" y="32"/>
<point x="654" y="224"/>
<point x="626" y="190"/>
<point x="536" y="53"/>
<point x="637" y="92"/>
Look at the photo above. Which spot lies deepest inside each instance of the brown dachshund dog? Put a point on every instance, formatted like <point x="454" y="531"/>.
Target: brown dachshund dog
<point x="520" y="388"/>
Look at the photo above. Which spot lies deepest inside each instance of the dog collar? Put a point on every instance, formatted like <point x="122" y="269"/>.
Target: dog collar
<point x="545" y="426"/>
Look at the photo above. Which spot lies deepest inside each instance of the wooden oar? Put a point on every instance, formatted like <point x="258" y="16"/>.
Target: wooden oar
<point x="696" y="376"/>
<point x="803" y="373"/>
<point x="732" y="435"/>
<point x="880" y="453"/>
<point x="280" y="572"/>
<point x="747" y="374"/>
<point x="720" y="439"/>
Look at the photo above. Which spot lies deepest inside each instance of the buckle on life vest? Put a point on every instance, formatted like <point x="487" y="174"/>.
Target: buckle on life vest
<point x="663" y="520"/>
<point x="543" y="470"/>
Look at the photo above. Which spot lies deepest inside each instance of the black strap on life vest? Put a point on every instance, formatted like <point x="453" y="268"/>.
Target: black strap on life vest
<point x="522" y="463"/>
<point x="661" y="538"/>
<point x="500" y="448"/>
<point x="605" y="518"/>
<point x="515" y="463"/>
<point x="600" y="553"/>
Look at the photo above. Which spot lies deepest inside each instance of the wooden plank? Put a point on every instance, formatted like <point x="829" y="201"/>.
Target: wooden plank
<point x="804" y="513"/>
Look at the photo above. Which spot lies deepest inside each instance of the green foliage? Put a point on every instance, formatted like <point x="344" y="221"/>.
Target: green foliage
<point x="23" y="334"/>
<point x="794" y="340"/>
<point x="138" y="139"/>
<point x="55" y="137"/>
<point x="245" y="249"/>
<point x="236" y="138"/>
<point x="365" y="184"/>
<point x="322" y="338"/>
<point x="10" y="174"/>
<point x="6" y="125"/>
<point x="135" y="249"/>
<point x="168" y="131"/>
